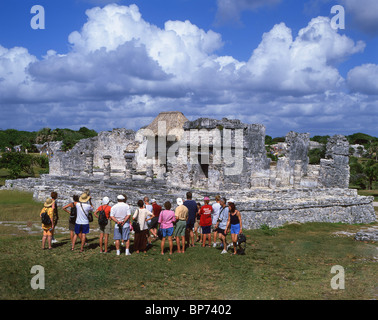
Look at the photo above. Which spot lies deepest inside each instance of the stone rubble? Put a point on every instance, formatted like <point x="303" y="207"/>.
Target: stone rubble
<point x="208" y="157"/>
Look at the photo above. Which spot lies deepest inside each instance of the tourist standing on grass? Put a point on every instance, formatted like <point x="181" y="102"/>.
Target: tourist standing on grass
<point x="206" y="221"/>
<point x="192" y="211"/>
<point x="120" y="214"/>
<point x="221" y="225"/>
<point x="181" y="215"/>
<point x="141" y="215"/>
<point x="166" y="220"/>
<point x="83" y="208"/>
<point x="147" y="204"/>
<point x="234" y="223"/>
<point x="47" y="228"/>
<point x="54" y="197"/>
<point x="150" y="208"/>
<point x="106" y="228"/>
<point x="72" y="218"/>
<point x="197" y="224"/>
<point x="156" y="209"/>
<point x="216" y="208"/>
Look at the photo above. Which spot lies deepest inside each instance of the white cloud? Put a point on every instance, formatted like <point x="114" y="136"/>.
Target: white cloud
<point x="303" y="65"/>
<point x="364" y="79"/>
<point x="121" y="71"/>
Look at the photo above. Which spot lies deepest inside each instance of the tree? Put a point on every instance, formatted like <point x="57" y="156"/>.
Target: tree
<point x="360" y="138"/>
<point x="363" y="173"/>
<point x="371" y="172"/>
<point x="316" y="154"/>
<point x="17" y="162"/>
<point x="373" y="150"/>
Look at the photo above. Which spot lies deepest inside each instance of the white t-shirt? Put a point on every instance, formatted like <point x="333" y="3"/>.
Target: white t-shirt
<point x="82" y="215"/>
<point x="120" y="211"/>
<point x="216" y="209"/>
<point x="149" y="207"/>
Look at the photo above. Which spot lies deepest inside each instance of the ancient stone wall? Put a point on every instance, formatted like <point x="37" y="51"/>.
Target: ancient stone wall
<point x="334" y="170"/>
<point x="257" y="206"/>
<point x="87" y="156"/>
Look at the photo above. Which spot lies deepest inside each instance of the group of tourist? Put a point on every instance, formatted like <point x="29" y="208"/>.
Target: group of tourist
<point x="190" y="222"/>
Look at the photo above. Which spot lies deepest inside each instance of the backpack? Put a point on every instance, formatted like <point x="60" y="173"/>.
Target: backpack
<point x="102" y="219"/>
<point x="73" y="214"/>
<point x="45" y="218"/>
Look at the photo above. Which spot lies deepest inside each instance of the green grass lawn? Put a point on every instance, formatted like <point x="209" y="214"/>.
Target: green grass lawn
<point x="293" y="262"/>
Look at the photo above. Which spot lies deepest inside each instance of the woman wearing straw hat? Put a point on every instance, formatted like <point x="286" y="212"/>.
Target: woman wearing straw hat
<point x="83" y="208"/>
<point x="47" y="229"/>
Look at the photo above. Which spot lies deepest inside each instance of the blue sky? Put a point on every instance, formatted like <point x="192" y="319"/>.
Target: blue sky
<point x="276" y="62"/>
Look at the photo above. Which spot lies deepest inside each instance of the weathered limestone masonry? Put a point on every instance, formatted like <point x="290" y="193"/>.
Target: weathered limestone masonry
<point x="208" y="157"/>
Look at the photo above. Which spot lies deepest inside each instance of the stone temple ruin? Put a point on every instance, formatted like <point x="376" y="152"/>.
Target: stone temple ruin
<point x="173" y="155"/>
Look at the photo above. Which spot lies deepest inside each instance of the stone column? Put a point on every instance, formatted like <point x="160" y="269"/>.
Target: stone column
<point x="334" y="170"/>
<point x="297" y="174"/>
<point x="88" y="169"/>
<point x="107" y="167"/>
<point x="150" y="173"/>
<point x="129" y="157"/>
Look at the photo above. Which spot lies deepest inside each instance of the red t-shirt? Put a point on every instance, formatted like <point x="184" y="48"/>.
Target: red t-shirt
<point x="157" y="209"/>
<point x="205" y="215"/>
<point x="106" y="208"/>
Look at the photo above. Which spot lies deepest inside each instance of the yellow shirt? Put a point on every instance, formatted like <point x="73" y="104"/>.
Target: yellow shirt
<point x="181" y="212"/>
<point x="50" y="212"/>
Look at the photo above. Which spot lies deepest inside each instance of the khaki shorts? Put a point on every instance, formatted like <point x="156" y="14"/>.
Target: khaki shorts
<point x="106" y="229"/>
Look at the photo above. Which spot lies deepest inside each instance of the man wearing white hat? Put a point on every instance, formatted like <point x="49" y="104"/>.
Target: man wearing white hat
<point x="181" y="214"/>
<point x="120" y="214"/>
<point x="105" y="229"/>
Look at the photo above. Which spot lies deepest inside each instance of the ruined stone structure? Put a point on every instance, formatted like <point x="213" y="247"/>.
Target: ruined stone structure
<point x="173" y="155"/>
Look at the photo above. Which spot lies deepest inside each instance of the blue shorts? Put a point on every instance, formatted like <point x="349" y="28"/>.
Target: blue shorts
<point x="167" y="232"/>
<point x="125" y="233"/>
<point x="235" y="228"/>
<point x="81" y="228"/>
<point x="206" y="230"/>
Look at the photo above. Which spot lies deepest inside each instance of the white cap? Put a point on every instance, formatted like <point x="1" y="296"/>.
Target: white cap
<point x="153" y="200"/>
<point x="179" y="201"/>
<point x="105" y="200"/>
<point x="232" y="201"/>
<point x="120" y="197"/>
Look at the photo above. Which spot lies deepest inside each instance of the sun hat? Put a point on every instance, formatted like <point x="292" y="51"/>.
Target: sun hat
<point x="48" y="203"/>
<point x="179" y="201"/>
<point x="84" y="197"/>
<point x="120" y="197"/>
<point x="105" y="200"/>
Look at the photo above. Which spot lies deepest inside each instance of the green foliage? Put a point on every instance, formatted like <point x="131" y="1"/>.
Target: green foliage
<point x="11" y="138"/>
<point x="278" y="139"/>
<point x="41" y="161"/>
<point x="268" y="140"/>
<point x="17" y="162"/>
<point x="70" y="137"/>
<point x="272" y="156"/>
<point x="268" y="230"/>
<point x="320" y="139"/>
<point x="361" y="138"/>
<point x="363" y="174"/>
<point x="316" y="154"/>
